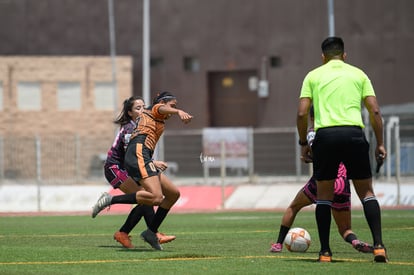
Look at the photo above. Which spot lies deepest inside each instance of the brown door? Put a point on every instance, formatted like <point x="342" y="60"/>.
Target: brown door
<point x="232" y="103"/>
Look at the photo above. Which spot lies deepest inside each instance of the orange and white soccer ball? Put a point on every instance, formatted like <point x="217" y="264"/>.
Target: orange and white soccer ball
<point x="297" y="240"/>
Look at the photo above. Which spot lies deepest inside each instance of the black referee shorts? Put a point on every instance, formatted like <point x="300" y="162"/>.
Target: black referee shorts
<point x="346" y="144"/>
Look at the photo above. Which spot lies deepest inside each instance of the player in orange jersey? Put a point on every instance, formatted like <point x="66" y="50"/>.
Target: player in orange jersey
<point x="117" y="176"/>
<point x="157" y="187"/>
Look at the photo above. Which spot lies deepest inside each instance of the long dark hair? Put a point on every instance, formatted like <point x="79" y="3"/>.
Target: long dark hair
<point x="123" y="117"/>
<point x="163" y="97"/>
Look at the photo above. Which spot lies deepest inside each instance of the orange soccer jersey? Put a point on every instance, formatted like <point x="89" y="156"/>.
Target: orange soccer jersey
<point x="151" y="123"/>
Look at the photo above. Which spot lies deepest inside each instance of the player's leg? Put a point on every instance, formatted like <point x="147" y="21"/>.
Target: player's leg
<point x="170" y="191"/>
<point x="300" y="201"/>
<point x="342" y="219"/>
<point x="139" y="211"/>
<point x="141" y="169"/>
<point x="371" y="207"/>
<point x="115" y="176"/>
<point x="323" y="216"/>
<point x="152" y="193"/>
<point x="118" y="178"/>
<point x="138" y="162"/>
<point x="306" y="196"/>
<point x="341" y="211"/>
<point x="372" y="214"/>
<point x="327" y="151"/>
<point x="129" y="186"/>
<point x="171" y="195"/>
<point x="359" y="170"/>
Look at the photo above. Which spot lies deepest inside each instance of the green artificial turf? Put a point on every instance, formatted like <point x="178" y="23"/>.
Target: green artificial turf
<point x="207" y="243"/>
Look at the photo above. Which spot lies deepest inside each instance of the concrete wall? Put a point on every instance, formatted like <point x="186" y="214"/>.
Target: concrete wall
<point x="276" y="196"/>
<point x="224" y="36"/>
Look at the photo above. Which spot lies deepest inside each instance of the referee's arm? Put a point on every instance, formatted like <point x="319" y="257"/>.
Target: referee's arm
<point x="302" y="118"/>
<point x="375" y="118"/>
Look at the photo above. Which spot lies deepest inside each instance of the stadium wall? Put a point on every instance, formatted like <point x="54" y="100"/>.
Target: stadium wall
<point x="223" y="36"/>
<point x="273" y="196"/>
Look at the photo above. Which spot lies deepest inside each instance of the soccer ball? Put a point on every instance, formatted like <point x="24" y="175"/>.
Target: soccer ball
<point x="297" y="240"/>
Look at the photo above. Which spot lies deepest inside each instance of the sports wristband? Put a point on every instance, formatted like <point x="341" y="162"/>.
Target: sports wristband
<point x="310" y="137"/>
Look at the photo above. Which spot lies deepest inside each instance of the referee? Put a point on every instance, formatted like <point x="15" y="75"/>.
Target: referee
<point x="337" y="90"/>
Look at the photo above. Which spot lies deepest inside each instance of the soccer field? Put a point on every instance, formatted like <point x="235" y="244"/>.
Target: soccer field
<point x="207" y="243"/>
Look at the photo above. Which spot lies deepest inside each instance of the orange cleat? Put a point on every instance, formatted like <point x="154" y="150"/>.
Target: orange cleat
<point x="325" y="257"/>
<point x="162" y="238"/>
<point x="380" y="254"/>
<point x="124" y="239"/>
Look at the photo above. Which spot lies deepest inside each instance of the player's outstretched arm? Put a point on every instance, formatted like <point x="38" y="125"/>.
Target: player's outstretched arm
<point x="185" y="117"/>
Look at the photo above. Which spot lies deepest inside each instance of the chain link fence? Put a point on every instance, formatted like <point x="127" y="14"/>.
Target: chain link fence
<point x="52" y="160"/>
<point x="60" y="160"/>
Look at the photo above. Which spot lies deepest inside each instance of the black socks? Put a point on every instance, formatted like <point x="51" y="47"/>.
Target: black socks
<point x="282" y="233"/>
<point x="350" y="237"/>
<point x="135" y="216"/>
<point x="373" y="215"/>
<point x="323" y="219"/>
<point x="158" y="219"/>
<point x="124" y="199"/>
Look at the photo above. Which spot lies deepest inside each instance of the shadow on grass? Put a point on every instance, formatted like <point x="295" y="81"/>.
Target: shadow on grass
<point x="123" y="249"/>
<point x="312" y="260"/>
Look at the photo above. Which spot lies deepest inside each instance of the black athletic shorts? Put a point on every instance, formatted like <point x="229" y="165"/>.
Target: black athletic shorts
<point x="138" y="159"/>
<point x="346" y="144"/>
